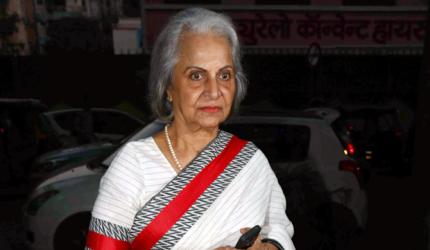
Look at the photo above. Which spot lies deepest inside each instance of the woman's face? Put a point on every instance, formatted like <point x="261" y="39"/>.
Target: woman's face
<point x="203" y="84"/>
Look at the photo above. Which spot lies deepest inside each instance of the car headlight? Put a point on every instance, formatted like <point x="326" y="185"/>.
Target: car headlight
<point x="38" y="201"/>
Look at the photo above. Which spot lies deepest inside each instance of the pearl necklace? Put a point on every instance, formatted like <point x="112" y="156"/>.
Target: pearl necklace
<point x="172" y="151"/>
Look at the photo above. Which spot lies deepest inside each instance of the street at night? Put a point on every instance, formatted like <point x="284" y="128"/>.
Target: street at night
<point x="395" y="216"/>
<point x="118" y="118"/>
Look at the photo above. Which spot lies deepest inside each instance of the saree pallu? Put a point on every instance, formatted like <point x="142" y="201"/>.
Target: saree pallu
<point x="245" y="193"/>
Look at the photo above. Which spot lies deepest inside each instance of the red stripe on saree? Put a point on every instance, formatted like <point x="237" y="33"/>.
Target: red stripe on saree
<point x="170" y="214"/>
<point x="96" y="241"/>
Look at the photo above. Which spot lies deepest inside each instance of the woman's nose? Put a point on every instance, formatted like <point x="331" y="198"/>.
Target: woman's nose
<point x="212" y="88"/>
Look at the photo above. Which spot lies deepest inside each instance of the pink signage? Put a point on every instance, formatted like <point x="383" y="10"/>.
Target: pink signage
<point x="302" y="28"/>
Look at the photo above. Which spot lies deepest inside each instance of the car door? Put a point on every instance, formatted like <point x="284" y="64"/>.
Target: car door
<point x="283" y="144"/>
<point x="113" y="125"/>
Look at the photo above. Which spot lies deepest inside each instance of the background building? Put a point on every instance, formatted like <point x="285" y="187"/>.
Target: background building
<point x="78" y="19"/>
<point x="18" y="35"/>
<point x="292" y="26"/>
<point x="310" y="52"/>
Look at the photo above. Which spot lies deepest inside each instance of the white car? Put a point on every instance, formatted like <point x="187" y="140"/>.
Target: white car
<point x="107" y="124"/>
<point x="56" y="215"/>
<point x="324" y="186"/>
<point x="304" y="152"/>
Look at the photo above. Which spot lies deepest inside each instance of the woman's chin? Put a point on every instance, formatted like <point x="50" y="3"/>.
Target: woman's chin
<point x="210" y="125"/>
<point x="210" y="122"/>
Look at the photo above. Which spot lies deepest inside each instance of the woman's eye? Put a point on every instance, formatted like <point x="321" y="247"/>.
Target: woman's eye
<point x="225" y="76"/>
<point x="195" y="76"/>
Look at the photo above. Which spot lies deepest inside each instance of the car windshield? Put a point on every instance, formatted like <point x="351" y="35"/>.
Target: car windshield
<point x="105" y="160"/>
<point x="100" y="161"/>
<point x="279" y="142"/>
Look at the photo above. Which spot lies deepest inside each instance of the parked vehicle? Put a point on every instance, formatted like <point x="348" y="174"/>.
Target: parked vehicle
<point x="78" y="126"/>
<point x="46" y="163"/>
<point x="321" y="183"/>
<point x="378" y="137"/>
<point x="109" y="128"/>
<point x="57" y="212"/>
<point x="20" y="136"/>
<point x="333" y="116"/>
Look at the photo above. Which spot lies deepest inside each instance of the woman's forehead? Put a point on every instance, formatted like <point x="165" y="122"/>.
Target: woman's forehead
<point x="204" y="46"/>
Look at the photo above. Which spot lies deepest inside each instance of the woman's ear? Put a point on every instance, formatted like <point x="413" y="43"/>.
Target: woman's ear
<point x="169" y="94"/>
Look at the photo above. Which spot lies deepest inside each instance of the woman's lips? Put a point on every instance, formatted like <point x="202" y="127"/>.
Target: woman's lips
<point x="210" y="109"/>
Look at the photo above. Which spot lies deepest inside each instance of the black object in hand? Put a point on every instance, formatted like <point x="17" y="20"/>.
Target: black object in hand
<point x="248" y="238"/>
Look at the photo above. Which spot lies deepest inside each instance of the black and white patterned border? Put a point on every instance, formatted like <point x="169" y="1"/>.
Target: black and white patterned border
<point x="153" y="207"/>
<point x="108" y="229"/>
<point x="206" y="199"/>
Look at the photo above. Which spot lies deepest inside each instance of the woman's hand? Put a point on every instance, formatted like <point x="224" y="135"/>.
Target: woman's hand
<point x="258" y="245"/>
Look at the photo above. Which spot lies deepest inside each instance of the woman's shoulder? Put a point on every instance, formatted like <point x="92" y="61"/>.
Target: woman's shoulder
<point x="249" y="144"/>
<point x="141" y="142"/>
<point x="134" y="161"/>
<point x="131" y="153"/>
<point x="254" y="152"/>
<point x="257" y="154"/>
<point x="138" y="146"/>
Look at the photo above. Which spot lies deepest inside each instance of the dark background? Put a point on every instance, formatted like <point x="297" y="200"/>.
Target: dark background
<point x="398" y="205"/>
<point x="287" y="80"/>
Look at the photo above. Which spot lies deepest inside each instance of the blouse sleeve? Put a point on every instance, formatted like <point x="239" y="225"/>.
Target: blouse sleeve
<point x="116" y="203"/>
<point x="277" y="226"/>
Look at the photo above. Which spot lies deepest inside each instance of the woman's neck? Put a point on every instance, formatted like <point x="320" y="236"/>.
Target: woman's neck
<point x="190" y="140"/>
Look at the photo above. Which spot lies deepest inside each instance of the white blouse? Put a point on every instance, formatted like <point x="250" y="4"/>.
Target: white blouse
<point x="141" y="170"/>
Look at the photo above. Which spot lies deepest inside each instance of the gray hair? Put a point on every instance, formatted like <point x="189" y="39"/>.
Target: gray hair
<point x="165" y="51"/>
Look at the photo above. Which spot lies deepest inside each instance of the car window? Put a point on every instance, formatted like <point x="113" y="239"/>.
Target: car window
<point x="114" y="123"/>
<point x="355" y="124"/>
<point x="21" y="120"/>
<point x="279" y="143"/>
<point x="388" y="122"/>
<point x="66" y="120"/>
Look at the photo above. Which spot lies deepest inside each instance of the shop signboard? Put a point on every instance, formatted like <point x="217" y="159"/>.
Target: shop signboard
<point x="330" y="29"/>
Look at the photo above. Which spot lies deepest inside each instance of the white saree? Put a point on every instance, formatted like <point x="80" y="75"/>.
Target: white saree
<point x="247" y="193"/>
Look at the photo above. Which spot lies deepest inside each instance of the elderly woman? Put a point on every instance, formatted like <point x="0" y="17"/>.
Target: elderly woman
<point x="191" y="186"/>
